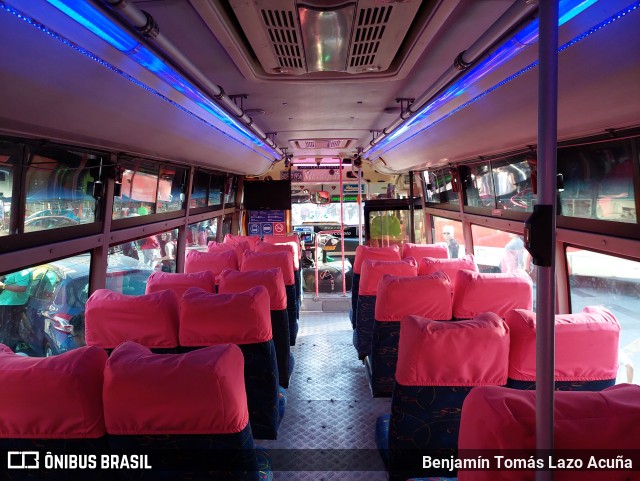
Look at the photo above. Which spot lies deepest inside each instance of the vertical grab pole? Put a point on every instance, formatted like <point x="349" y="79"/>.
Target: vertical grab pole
<point x="547" y="195"/>
<point x="359" y="198"/>
<point x="315" y="254"/>
<point x="344" y="277"/>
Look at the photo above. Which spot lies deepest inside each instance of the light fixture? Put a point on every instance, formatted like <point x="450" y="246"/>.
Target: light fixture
<point x="425" y="116"/>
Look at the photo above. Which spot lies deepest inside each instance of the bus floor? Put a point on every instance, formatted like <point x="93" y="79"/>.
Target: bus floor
<point x="327" y="432"/>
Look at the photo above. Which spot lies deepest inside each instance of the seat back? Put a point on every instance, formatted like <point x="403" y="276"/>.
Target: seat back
<point x="179" y="283"/>
<point x="372" y="273"/>
<point x="285" y="247"/>
<point x="292" y="239"/>
<point x="234" y="239"/>
<point x="191" y="407"/>
<point x="397" y="299"/>
<point x="439" y="363"/>
<point x="418" y="251"/>
<point x="244" y="319"/>
<point x="214" y="262"/>
<point x="586" y="349"/>
<point x="603" y="424"/>
<point x="430" y="265"/>
<point x="234" y="281"/>
<point x="475" y="292"/>
<point x="238" y="247"/>
<point x="151" y="319"/>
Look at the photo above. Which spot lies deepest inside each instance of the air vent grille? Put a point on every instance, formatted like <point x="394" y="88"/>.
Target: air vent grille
<point x="320" y="143"/>
<point x="370" y="27"/>
<point x="282" y="30"/>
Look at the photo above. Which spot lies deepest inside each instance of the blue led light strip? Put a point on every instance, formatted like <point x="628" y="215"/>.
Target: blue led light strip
<point x="526" y="34"/>
<point x="120" y="40"/>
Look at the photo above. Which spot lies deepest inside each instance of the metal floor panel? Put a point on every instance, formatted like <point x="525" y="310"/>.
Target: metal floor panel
<point x="328" y="429"/>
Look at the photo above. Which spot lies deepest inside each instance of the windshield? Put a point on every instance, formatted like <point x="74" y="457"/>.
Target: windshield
<point x="326" y="213"/>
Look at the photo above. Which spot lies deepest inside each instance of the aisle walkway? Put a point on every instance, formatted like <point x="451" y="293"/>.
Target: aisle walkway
<point x="328" y="429"/>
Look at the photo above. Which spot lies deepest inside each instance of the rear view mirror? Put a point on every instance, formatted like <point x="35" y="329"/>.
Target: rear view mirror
<point x="321" y="197"/>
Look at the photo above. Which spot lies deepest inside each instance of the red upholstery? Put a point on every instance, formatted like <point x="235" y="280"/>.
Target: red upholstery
<point x="287" y="247"/>
<point x="241" y="318"/>
<point x="257" y="261"/>
<point x="238" y="247"/>
<point x="200" y="392"/>
<point x="373" y="270"/>
<point x="586" y="345"/>
<point x="391" y="253"/>
<point x="418" y="251"/>
<point x="397" y="297"/>
<point x="285" y="239"/>
<point x="496" y="418"/>
<point x="234" y="239"/>
<point x="151" y="319"/>
<point x="464" y="353"/>
<point x="235" y="281"/>
<point x="429" y="265"/>
<point x="58" y="397"/>
<point x="476" y="292"/>
<point x="178" y="283"/>
<point x="214" y="262"/>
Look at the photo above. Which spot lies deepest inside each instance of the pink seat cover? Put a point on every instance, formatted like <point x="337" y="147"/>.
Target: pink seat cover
<point x="235" y="281"/>
<point x="586" y="345"/>
<point x="429" y="265"/>
<point x="476" y="292"/>
<point x="151" y="320"/>
<point x="233" y="239"/>
<point x="293" y="239"/>
<point x="287" y="247"/>
<point x="215" y="262"/>
<point x="238" y="247"/>
<point x="240" y="318"/>
<point x="257" y="261"/>
<point x="179" y="283"/>
<point x="57" y="397"/>
<point x="397" y="297"/>
<point x="497" y="418"/>
<point x="464" y="353"/>
<point x="200" y="392"/>
<point x="391" y="253"/>
<point x="373" y="270"/>
<point x="418" y="251"/>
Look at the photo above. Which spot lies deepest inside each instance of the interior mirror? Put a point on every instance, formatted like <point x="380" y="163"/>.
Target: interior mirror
<point x="321" y="197"/>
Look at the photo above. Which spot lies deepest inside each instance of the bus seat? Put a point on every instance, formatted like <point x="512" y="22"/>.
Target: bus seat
<point x="475" y="292"/>
<point x="429" y="265"/>
<point x="398" y="297"/>
<point x="439" y="363"/>
<point x="418" y="251"/>
<point x="238" y="247"/>
<point x="286" y="247"/>
<point x="372" y="272"/>
<point x="497" y="419"/>
<point x="234" y="239"/>
<point x="243" y="319"/>
<point x="586" y="349"/>
<point x="234" y="281"/>
<point x="215" y="262"/>
<point x="150" y="319"/>
<point x="293" y="239"/>
<point x="179" y="283"/>
<point x="190" y="410"/>
<point x="390" y="253"/>
<point x="256" y="261"/>
<point x="52" y="404"/>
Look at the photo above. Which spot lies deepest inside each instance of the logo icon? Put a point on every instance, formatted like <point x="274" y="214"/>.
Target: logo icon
<point x="23" y="459"/>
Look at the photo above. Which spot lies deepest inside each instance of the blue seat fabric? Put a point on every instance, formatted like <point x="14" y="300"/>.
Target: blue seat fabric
<point x="280" y="328"/>
<point x="364" y="326"/>
<point x="384" y="357"/>
<point x="292" y="313"/>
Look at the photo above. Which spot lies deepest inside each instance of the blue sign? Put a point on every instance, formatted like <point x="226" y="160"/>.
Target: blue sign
<point x="267" y="228"/>
<point x="254" y="229"/>
<point x="266" y="216"/>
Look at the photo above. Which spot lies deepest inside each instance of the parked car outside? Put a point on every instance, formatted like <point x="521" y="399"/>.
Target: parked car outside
<point x="48" y="222"/>
<point x="59" y="291"/>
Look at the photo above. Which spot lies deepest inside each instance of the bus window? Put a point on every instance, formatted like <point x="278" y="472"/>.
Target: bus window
<point x="139" y="190"/>
<point x="449" y="231"/>
<point x="601" y="279"/>
<point x="201" y="233"/>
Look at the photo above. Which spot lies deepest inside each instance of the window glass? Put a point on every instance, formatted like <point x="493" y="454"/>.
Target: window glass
<point x="154" y="252"/>
<point x="171" y="188"/>
<point x="10" y="158"/>
<point x="389" y="227"/>
<point x="419" y="229"/>
<point x="478" y="185"/>
<point x="138" y="190"/>
<point x="512" y="181"/>
<point x="598" y="181"/>
<point x="216" y="184"/>
<point x="439" y="189"/>
<point x="600" y="279"/>
<point x="226" y="224"/>
<point x="199" y="189"/>
<point x="326" y="213"/>
<point x="201" y="233"/>
<point x="449" y="231"/>
<point x="59" y="189"/>
<point x="230" y="195"/>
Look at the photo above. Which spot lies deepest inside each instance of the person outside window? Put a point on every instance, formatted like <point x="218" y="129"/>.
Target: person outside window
<point x="452" y="245"/>
<point x="13" y="298"/>
<point x="514" y="254"/>
<point x="167" y="261"/>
